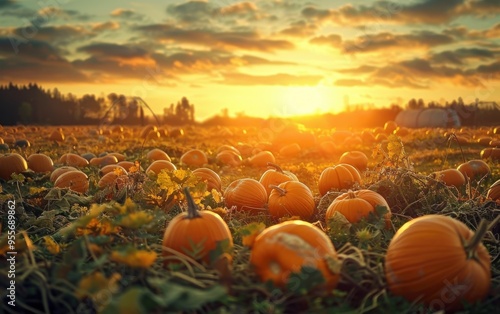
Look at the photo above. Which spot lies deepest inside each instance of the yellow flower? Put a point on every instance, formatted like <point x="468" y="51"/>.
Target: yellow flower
<point x="250" y="232"/>
<point x="134" y="258"/>
<point x="98" y="227"/>
<point x="180" y="174"/>
<point x="93" y="284"/>
<point x="136" y="220"/>
<point x="51" y="245"/>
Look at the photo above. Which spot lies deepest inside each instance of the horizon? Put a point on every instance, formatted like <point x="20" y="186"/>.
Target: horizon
<point x="260" y="58"/>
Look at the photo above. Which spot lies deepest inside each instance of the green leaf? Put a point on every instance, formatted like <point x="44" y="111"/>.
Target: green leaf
<point x="130" y="302"/>
<point x="305" y="280"/>
<point x="221" y="247"/>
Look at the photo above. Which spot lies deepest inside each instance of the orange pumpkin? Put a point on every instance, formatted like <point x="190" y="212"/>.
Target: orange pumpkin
<point x="158" y="165"/>
<point x="490" y="153"/>
<point x="336" y="177"/>
<point x="148" y="129"/>
<point x="291" y="198"/>
<point x="261" y="159"/>
<point x="157" y="154"/>
<point x="275" y="176"/>
<point x="56" y="136"/>
<point x="40" y="163"/>
<point x="290" y="150"/>
<point x="73" y="160"/>
<point x="437" y="260"/>
<point x="104" y="161"/>
<point x="126" y="164"/>
<point x="494" y="191"/>
<point x="474" y="169"/>
<point x="285" y="248"/>
<point x="194" y="158"/>
<point x="355" y="158"/>
<point x="75" y="180"/>
<point x="390" y="127"/>
<point x="197" y="234"/>
<point x="450" y="177"/>
<point x="113" y="179"/>
<point x="12" y="163"/>
<point x="246" y="194"/>
<point x="354" y="172"/>
<point x="119" y="157"/>
<point x="210" y="177"/>
<point x="112" y="168"/>
<point x="229" y="158"/>
<point x="56" y="173"/>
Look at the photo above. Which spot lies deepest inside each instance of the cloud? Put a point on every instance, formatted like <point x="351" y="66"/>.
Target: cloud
<point x="332" y="40"/>
<point x="126" y="14"/>
<point x="273" y="79"/>
<point x="461" y="56"/>
<point x="114" y="50"/>
<point x="105" y="26"/>
<point x="56" y="35"/>
<point x="363" y="69"/>
<point x="7" y="3"/>
<point x="246" y="40"/>
<point x="300" y="29"/>
<point x="192" y="11"/>
<point x="388" y="12"/>
<point x="241" y="8"/>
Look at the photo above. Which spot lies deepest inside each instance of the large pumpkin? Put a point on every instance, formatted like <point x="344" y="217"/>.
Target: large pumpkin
<point x="275" y="176"/>
<point x="75" y="180"/>
<point x="450" y="177"/>
<point x="197" y="234"/>
<point x="285" y="248"/>
<point x="157" y="154"/>
<point x="56" y="173"/>
<point x="73" y="160"/>
<point x="291" y="198"/>
<point x="262" y="158"/>
<point x="210" y="177"/>
<point x="40" y="163"/>
<point x="336" y="177"/>
<point x="355" y="158"/>
<point x="158" y="165"/>
<point x="246" y="194"/>
<point x="194" y="158"/>
<point x="12" y="163"/>
<point x="437" y="260"/>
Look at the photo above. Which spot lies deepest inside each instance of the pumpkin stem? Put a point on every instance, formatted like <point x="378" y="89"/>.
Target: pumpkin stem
<point x="275" y="166"/>
<point x="192" y="209"/>
<point x="471" y="245"/>
<point x="277" y="188"/>
<point x="351" y="194"/>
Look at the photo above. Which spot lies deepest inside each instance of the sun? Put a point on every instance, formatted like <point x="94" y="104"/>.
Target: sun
<point x="304" y="100"/>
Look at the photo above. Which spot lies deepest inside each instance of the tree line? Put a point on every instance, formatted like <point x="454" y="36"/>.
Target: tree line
<point x="32" y="104"/>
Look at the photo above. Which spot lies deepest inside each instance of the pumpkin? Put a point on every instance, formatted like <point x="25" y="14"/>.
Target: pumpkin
<point x="56" y="136"/>
<point x="355" y="158"/>
<point x="246" y="194"/>
<point x="103" y="161"/>
<point x="348" y="204"/>
<point x="202" y="235"/>
<point x="113" y="179"/>
<point x="56" y="173"/>
<point x="40" y="163"/>
<point x="336" y="177"/>
<point x="275" y="176"/>
<point x="158" y="165"/>
<point x="73" y="160"/>
<point x="390" y="127"/>
<point x="12" y="163"/>
<point x="157" y="154"/>
<point x="210" y="177"/>
<point x="126" y="164"/>
<point x="494" y="191"/>
<point x="494" y="143"/>
<point x="291" y="198"/>
<point x="194" y="158"/>
<point x="148" y="129"/>
<point x="327" y="147"/>
<point x="450" y="177"/>
<point x="228" y="147"/>
<point x="290" y="150"/>
<point x="439" y="261"/>
<point x="119" y="157"/>
<point x="287" y="247"/>
<point x="354" y="172"/>
<point x="261" y="159"/>
<point x="485" y="141"/>
<point x="112" y="168"/>
<point x="75" y="180"/>
<point x="229" y="158"/>
<point x="490" y="153"/>
<point x="474" y="169"/>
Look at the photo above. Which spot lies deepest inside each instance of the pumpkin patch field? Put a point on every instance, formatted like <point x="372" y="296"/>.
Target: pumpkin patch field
<point x="130" y="219"/>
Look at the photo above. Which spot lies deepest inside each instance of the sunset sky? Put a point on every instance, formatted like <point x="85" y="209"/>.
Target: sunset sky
<point x="263" y="58"/>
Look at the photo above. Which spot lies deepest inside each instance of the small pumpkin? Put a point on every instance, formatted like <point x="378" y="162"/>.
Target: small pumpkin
<point x="290" y="150"/>
<point x="450" y="177"/>
<point x="194" y="158"/>
<point x="246" y="194"/>
<point x="158" y="165"/>
<point x="113" y="180"/>
<point x="157" y="154"/>
<point x="210" y="177"/>
<point x="202" y="235"/>
<point x="12" y="163"/>
<point x="103" y="161"/>
<point x="112" y="168"/>
<point x="494" y="191"/>
<point x="439" y="261"/>
<point x="275" y="176"/>
<point x="261" y="159"/>
<point x="474" y="169"/>
<point x="40" y="163"/>
<point x="229" y="158"/>
<point x="490" y="153"/>
<point x="75" y="180"/>
<point x="285" y="248"/>
<point x="56" y="136"/>
<point x="56" y="173"/>
<point x="355" y="158"/>
<point x="336" y="177"/>
<point x="73" y="160"/>
<point x="291" y="198"/>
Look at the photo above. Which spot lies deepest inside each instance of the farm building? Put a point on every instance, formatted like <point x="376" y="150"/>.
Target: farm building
<point x="428" y="118"/>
